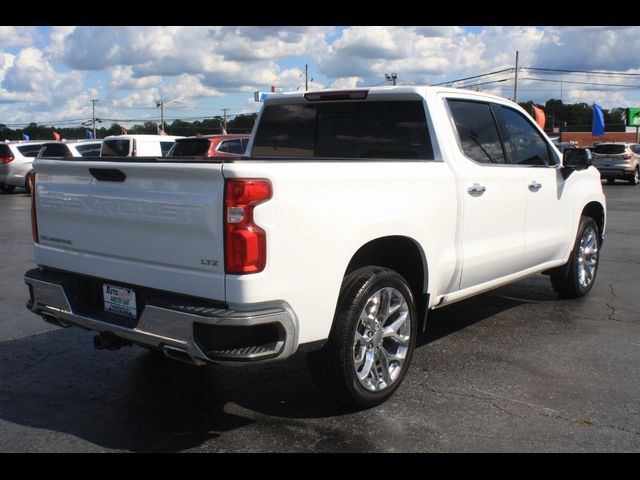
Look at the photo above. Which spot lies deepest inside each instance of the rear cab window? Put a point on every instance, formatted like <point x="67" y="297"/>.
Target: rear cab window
<point x="192" y="147"/>
<point x="392" y="129"/>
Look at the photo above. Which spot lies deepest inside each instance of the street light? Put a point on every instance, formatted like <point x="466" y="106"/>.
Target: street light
<point x="391" y="77"/>
<point x="161" y="104"/>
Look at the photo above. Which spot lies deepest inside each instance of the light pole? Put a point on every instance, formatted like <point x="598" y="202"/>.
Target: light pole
<point x="93" y="101"/>
<point x="161" y="104"/>
<point x="391" y="77"/>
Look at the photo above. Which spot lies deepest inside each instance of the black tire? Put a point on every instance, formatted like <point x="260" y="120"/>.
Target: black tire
<point x="334" y="367"/>
<point x="611" y="181"/>
<point x="27" y="185"/>
<point x="634" y="179"/>
<point x="568" y="281"/>
<point x="7" y="188"/>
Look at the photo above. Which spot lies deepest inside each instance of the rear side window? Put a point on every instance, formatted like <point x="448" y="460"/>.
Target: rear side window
<point x="30" y="150"/>
<point x="198" y="147"/>
<point x="524" y="144"/>
<point x="89" y="150"/>
<point x="609" y="149"/>
<point x="115" y="148"/>
<point x="165" y="147"/>
<point x="372" y="129"/>
<point x="5" y="151"/>
<point x="477" y="131"/>
<point x="55" y="150"/>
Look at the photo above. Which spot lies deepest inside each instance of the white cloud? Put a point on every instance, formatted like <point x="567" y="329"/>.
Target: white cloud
<point x="17" y="36"/>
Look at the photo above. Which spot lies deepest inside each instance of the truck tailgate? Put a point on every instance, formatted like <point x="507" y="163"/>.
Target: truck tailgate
<point x="153" y="224"/>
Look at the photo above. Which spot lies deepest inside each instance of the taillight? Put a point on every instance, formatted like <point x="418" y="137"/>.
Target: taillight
<point x="6" y="159"/>
<point x="31" y="178"/>
<point x="337" y="95"/>
<point x="245" y="242"/>
<point x="628" y="156"/>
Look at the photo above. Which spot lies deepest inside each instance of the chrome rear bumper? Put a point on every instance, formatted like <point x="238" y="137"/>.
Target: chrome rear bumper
<point x="183" y="329"/>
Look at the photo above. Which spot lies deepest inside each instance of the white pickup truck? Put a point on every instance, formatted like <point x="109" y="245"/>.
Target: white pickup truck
<point x="354" y="213"/>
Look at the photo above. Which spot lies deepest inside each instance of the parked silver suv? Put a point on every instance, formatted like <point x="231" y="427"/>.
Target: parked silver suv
<point x="617" y="161"/>
<point x="15" y="163"/>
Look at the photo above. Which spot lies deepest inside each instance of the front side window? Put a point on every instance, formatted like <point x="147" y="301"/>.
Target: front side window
<point x="371" y="129"/>
<point x="165" y="147"/>
<point x="523" y="143"/>
<point x="477" y="131"/>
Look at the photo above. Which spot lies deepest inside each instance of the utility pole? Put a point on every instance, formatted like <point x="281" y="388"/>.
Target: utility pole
<point x="306" y="77"/>
<point x="93" y="101"/>
<point x="515" y="84"/>
<point x="391" y="78"/>
<point x="160" y="105"/>
<point x="225" y="110"/>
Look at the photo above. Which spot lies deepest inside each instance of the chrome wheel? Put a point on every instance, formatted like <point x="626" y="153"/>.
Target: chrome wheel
<point x="587" y="257"/>
<point x="382" y="339"/>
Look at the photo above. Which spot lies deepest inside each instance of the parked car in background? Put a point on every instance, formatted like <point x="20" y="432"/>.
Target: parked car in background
<point x="210" y="146"/>
<point x="16" y="160"/>
<point x="616" y="160"/>
<point x="137" y="145"/>
<point x="71" y="148"/>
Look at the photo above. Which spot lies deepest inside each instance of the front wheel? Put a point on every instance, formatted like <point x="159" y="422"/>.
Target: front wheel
<point x="7" y="188"/>
<point x="576" y="279"/>
<point x="372" y="339"/>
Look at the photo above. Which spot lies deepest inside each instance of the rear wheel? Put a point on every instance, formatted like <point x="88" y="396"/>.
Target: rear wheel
<point x="7" y="188"/>
<point x="576" y="279"/>
<point x="635" y="178"/>
<point x="372" y="339"/>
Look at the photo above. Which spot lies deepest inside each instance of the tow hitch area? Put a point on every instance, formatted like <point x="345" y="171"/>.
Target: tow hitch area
<point x="108" y="341"/>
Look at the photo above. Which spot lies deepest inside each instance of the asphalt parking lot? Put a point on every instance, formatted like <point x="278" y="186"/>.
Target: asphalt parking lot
<point x="514" y="369"/>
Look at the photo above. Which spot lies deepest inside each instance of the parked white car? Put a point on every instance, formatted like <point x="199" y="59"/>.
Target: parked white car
<point x="354" y="213"/>
<point x="137" y="145"/>
<point x="15" y="163"/>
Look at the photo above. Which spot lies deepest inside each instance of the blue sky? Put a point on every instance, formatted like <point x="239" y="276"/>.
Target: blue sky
<point x="50" y="74"/>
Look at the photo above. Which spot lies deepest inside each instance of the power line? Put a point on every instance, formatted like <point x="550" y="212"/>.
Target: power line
<point x="590" y="72"/>
<point x="472" y="77"/>
<point x="584" y="83"/>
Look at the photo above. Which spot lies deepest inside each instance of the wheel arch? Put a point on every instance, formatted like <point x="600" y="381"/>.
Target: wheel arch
<point x="401" y="254"/>
<point x="596" y="211"/>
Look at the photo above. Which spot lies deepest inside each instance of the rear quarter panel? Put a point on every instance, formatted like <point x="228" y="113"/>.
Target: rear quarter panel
<point x="322" y="212"/>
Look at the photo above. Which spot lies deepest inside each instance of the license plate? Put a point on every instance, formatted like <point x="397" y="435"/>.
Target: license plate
<point x="119" y="300"/>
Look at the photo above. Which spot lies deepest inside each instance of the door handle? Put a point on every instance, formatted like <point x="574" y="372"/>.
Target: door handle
<point x="476" y="190"/>
<point x="535" y="186"/>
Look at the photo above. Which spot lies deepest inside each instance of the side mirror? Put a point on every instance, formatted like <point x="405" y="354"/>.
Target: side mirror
<point x="575" y="159"/>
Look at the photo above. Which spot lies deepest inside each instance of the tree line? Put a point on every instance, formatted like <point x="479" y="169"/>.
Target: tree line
<point x="238" y="124"/>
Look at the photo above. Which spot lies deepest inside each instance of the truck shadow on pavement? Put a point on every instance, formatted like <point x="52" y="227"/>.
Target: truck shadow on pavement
<point x="136" y="400"/>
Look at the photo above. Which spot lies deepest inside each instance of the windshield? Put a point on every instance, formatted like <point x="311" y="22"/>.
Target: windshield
<point x="115" y="148"/>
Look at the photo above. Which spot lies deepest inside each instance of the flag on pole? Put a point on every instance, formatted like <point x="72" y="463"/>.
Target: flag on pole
<point x="224" y="131"/>
<point x="25" y="137"/>
<point x="90" y="134"/>
<point x="56" y="135"/>
<point x="124" y="132"/>
<point x="598" y="121"/>
<point x="161" y="132"/>
<point x="539" y="116"/>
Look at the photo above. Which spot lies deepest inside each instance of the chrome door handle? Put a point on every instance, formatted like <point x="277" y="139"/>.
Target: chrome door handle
<point x="535" y="186"/>
<point x="476" y="190"/>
